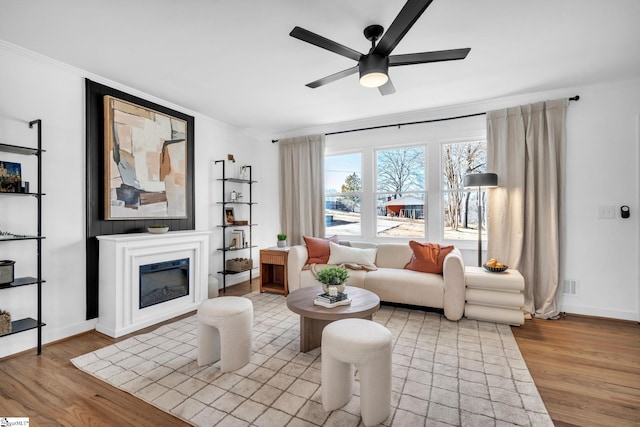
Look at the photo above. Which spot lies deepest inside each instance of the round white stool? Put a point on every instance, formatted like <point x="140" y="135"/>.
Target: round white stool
<point x="225" y="325"/>
<point x="367" y="345"/>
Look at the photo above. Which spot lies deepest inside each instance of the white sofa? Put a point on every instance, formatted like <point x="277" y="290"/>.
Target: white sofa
<point x="391" y="281"/>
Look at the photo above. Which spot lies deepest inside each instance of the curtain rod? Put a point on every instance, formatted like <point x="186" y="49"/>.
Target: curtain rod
<point x="573" y="98"/>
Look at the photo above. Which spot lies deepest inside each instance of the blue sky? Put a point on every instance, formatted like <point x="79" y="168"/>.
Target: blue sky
<point x="337" y="168"/>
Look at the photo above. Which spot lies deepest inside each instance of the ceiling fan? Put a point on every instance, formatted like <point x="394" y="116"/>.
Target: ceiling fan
<point x="374" y="66"/>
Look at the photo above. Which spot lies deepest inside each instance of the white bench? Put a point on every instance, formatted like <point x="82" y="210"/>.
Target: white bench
<point x="494" y="297"/>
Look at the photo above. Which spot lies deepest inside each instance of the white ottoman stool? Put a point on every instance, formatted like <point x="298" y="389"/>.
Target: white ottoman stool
<point x="225" y="325"/>
<point x="368" y="346"/>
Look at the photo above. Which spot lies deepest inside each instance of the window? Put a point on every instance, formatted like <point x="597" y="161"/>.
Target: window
<point x="400" y="192"/>
<point x="343" y="193"/>
<point x="411" y="190"/>
<point x="460" y="207"/>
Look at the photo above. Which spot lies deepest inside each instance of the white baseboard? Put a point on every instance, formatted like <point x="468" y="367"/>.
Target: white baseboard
<point x="26" y="341"/>
<point x="600" y="312"/>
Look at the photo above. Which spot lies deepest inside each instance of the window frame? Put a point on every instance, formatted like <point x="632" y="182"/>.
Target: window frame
<point x="460" y="243"/>
<point x="424" y="191"/>
<point x="340" y="194"/>
<point x="432" y="140"/>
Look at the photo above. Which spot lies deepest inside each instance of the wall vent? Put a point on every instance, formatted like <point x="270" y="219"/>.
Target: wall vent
<point x="569" y="286"/>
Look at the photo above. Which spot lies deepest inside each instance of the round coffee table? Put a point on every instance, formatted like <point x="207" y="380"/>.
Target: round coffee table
<point x="313" y="318"/>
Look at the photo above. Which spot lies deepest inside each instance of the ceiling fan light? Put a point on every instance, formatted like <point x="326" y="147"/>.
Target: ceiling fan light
<point x="374" y="79"/>
<point x="373" y="70"/>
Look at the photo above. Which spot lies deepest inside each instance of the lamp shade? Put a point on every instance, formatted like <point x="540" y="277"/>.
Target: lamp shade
<point x="373" y="70"/>
<point x="480" y="180"/>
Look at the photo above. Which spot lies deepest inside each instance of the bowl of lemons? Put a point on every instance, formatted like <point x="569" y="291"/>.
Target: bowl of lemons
<point x="494" y="266"/>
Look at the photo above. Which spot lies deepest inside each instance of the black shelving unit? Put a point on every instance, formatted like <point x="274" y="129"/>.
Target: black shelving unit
<point x="27" y="324"/>
<point x="225" y="249"/>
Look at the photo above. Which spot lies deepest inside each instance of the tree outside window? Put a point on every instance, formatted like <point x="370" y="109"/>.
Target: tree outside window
<point x="343" y="193"/>
<point x="460" y="206"/>
<point x="400" y="195"/>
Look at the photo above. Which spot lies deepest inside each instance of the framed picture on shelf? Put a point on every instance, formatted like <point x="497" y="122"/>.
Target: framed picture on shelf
<point x="236" y="240"/>
<point x="229" y="216"/>
<point x="10" y="177"/>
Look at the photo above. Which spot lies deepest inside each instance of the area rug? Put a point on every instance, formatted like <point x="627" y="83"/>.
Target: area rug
<point x="464" y="373"/>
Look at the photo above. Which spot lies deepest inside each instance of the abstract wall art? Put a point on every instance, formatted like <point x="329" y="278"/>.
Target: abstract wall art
<point x="145" y="162"/>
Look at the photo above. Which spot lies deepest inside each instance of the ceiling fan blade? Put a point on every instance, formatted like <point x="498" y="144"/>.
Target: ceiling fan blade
<point x="399" y="27"/>
<point x="333" y="77"/>
<point x="325" y="43"/>
<point x="424" y="57"/>
<point x="387" y="88"/>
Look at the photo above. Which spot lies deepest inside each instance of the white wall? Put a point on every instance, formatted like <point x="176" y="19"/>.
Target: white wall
<point x="602" y="169"/>
<point x="34" y="87"/>
<point x="601" y="255"/>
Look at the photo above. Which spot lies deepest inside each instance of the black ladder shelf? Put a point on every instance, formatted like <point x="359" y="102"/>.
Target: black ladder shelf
<point x="28" y="323"/>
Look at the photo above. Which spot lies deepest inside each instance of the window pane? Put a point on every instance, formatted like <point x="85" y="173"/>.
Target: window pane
<point x="460" y="208"/>
<point x="400" y="215"/>
<point x="460" y="158"/>
<point x="400" y="200"/>
<point x="343" y="190"/>
<point x="461" y="215"/>
<point x="400" y="170"/>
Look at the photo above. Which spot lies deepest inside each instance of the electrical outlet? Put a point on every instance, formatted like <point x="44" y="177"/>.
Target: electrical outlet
<point x="570" y="287"/>
<point x="606" y="212"/>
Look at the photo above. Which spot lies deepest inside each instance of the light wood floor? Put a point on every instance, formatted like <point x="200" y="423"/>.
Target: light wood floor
<point x="587" y="371"/>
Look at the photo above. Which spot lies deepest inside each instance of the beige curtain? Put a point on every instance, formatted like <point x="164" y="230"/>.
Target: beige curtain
<point x="526" y="148"/>
<point x="302" y="187"/>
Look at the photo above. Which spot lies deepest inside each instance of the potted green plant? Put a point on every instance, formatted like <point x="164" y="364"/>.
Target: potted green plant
<point x="282" y="240"/>
<point x="333" y="277"/>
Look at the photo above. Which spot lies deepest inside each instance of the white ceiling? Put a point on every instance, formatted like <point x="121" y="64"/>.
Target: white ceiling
<point x="233" y="60"/>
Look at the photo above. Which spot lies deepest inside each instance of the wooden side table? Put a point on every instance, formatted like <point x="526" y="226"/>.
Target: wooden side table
<point x="273" y="271"/>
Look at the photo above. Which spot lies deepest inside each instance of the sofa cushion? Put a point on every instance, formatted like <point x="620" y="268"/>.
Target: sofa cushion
<point x="406" y="287"/>
<point x="393" y="255"/>
<point x="340" y="254"/>
<point x="427" y="257"/>
<point x="318" y="249"/>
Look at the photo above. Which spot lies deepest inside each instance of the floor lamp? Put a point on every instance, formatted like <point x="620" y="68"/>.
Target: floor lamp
<point x="480" y="180"/>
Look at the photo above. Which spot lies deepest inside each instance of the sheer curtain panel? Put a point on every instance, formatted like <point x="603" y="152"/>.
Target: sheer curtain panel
<point x="302" y="187"/>
<point x="526" y="148"/>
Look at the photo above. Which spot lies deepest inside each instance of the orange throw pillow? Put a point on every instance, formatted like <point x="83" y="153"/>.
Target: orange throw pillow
<point x="318" y="249"/>
<point x="427" y="257"/>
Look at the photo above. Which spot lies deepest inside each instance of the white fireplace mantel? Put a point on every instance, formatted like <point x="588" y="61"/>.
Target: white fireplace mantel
<point x="121" y="256"/>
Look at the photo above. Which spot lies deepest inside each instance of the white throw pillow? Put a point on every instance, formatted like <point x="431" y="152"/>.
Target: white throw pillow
<point x="340" y="254"/>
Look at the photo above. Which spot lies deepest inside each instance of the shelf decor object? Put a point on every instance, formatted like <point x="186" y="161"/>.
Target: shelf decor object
<point x="233" y="239"/>
<point x="10" y="177"/>
<point x="158" y="229"/>
<point x="5" y="322"/>
<point x="480" y="180"/>
<point x="6" y="271"/>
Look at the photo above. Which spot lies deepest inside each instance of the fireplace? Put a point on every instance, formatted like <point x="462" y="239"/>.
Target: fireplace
<point x="163" y="281"/>
<point x="149" y="278"/>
